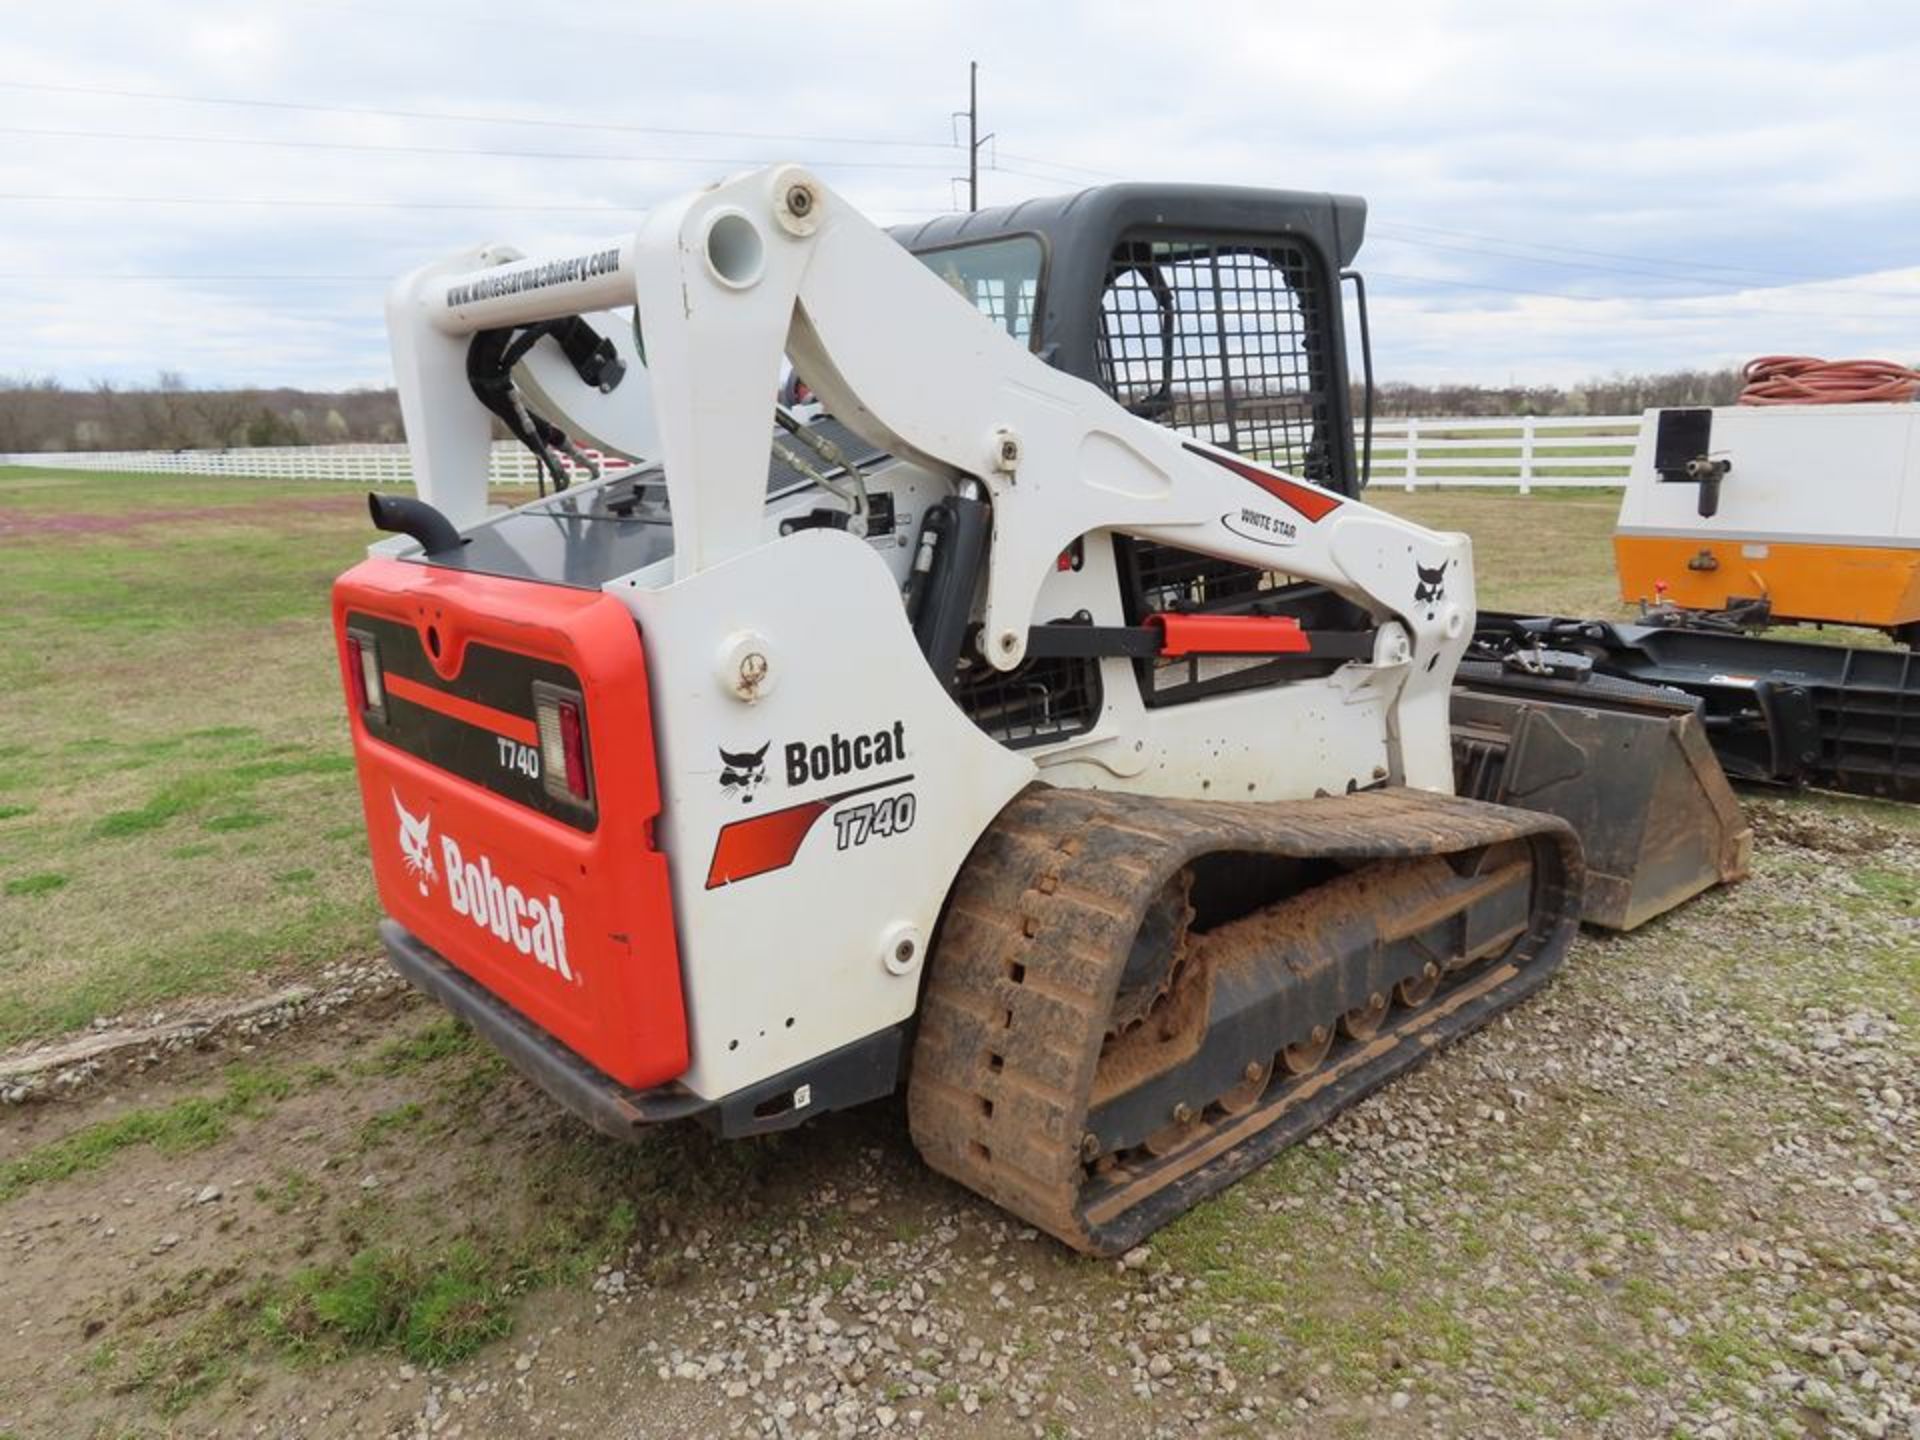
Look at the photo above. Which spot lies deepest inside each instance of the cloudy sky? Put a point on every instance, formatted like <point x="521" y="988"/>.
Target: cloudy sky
<point x="222" y="187"/>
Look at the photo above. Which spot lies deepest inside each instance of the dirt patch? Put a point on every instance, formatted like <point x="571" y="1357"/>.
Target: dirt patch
<point x="1778" y="821"/>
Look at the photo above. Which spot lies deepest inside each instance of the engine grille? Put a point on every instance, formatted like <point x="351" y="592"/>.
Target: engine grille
<point x="1225" y="341"/>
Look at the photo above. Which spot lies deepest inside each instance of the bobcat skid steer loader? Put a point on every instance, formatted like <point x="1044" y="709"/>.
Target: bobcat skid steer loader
<point x="1089" y="779"/>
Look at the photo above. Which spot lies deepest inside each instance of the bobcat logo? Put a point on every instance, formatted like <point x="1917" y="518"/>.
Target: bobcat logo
<point x="415" y="844"/>
<point x="744" y="772"/>
<point x="1431" y="587"/>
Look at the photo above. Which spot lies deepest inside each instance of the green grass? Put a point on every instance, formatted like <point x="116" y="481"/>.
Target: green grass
<point x="389" y="1124"/>
<point x="226" y="783"/>
<point x="434" y="1310"/>
<point x="176" y="1371"/>
<point x="439" y="1039"/>
<point x="1896" y="887"/>
<point x="175" y="742"/>
<point x="44" y="882"/>
<point x="418" y="1274"/>
<point x="290" y="1191"/>
<point x="1551" y="551"/>
<point x="431" y="1301"/>
<point x="190" y="1124"/>
<point x="218" y="956"/>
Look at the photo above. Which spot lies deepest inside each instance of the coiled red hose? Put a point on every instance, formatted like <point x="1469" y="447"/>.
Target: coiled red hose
<point x="1807" y="380"/>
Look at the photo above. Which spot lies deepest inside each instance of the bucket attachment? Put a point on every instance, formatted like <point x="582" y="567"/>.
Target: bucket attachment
<point x="1627" y="765"/>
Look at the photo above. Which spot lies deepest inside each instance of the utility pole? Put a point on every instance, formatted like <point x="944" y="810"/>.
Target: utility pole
<point x="973" y="135"/>
<point x="974" y="138"/>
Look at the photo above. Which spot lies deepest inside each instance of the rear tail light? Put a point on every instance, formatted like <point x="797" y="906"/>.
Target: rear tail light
<point x="564" y="767"/>
<point x="363" y="675"/>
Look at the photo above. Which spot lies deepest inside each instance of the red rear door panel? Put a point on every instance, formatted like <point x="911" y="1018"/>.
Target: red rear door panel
<point x="562" y="911"/>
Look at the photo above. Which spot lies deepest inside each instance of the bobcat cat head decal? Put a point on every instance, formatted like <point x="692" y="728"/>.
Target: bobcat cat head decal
<point x="415" y="844"/>
<point x="743" y="772"/>
<point x="1431" y="585"/>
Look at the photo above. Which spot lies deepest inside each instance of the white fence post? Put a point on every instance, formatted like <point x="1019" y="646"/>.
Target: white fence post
<point x="1526" y="455"/>
<point x="1412" y="473"/>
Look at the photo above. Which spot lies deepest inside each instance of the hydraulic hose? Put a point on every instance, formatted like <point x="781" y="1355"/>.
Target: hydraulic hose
<point x="1808" y="380"/>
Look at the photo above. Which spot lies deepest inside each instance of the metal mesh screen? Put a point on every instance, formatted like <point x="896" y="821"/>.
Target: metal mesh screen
<point x="1034" y="704"/>
<point x="1224" y="341"/>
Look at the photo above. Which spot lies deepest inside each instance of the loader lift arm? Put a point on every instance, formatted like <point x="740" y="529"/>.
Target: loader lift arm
<point x="728" y="280"/>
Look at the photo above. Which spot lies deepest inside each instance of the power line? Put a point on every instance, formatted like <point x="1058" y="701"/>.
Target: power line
<point x="384" y="112"/>
<point x="377" y="146"/>
<point x="1030" y="174"/>
<point x="1602" y="254"/>
<point x="1058" y="165"/>
<point x="533" y="121"/>
<point x="1387" y="232"/>
<point x="1389" y="228"/>
<point x="1614" y="299"/>
<point x="310" y="203"/>
<point x="1743" y="285"/>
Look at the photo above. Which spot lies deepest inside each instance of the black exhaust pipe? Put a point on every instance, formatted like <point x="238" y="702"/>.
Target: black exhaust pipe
<point x="401" y="515"/>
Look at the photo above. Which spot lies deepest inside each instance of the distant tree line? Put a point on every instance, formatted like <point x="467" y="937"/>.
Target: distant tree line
<point x="41" y="415"/>
<point x="1616" y="395"/>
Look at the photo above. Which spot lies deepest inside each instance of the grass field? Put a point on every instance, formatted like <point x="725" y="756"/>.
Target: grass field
<point x="1673" y="1195"/>
<point x="177" y="812"/>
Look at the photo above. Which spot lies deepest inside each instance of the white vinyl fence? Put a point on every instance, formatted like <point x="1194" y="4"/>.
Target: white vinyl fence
<point x="1528" y="453"/>
<point x="510" y="464"/>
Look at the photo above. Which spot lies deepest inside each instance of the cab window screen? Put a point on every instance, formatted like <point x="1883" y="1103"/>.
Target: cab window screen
<point x="1225" y="341"/>
<point x="999" y="278"/>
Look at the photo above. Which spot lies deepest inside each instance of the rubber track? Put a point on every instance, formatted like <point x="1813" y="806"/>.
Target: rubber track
<point x="1029" y="958"/>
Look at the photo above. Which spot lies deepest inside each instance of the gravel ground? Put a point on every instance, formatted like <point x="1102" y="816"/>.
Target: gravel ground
<point x="1674" y="1195"/>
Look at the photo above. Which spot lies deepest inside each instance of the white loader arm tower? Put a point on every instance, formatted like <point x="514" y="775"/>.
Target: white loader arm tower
<point x="729" y="279"/>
